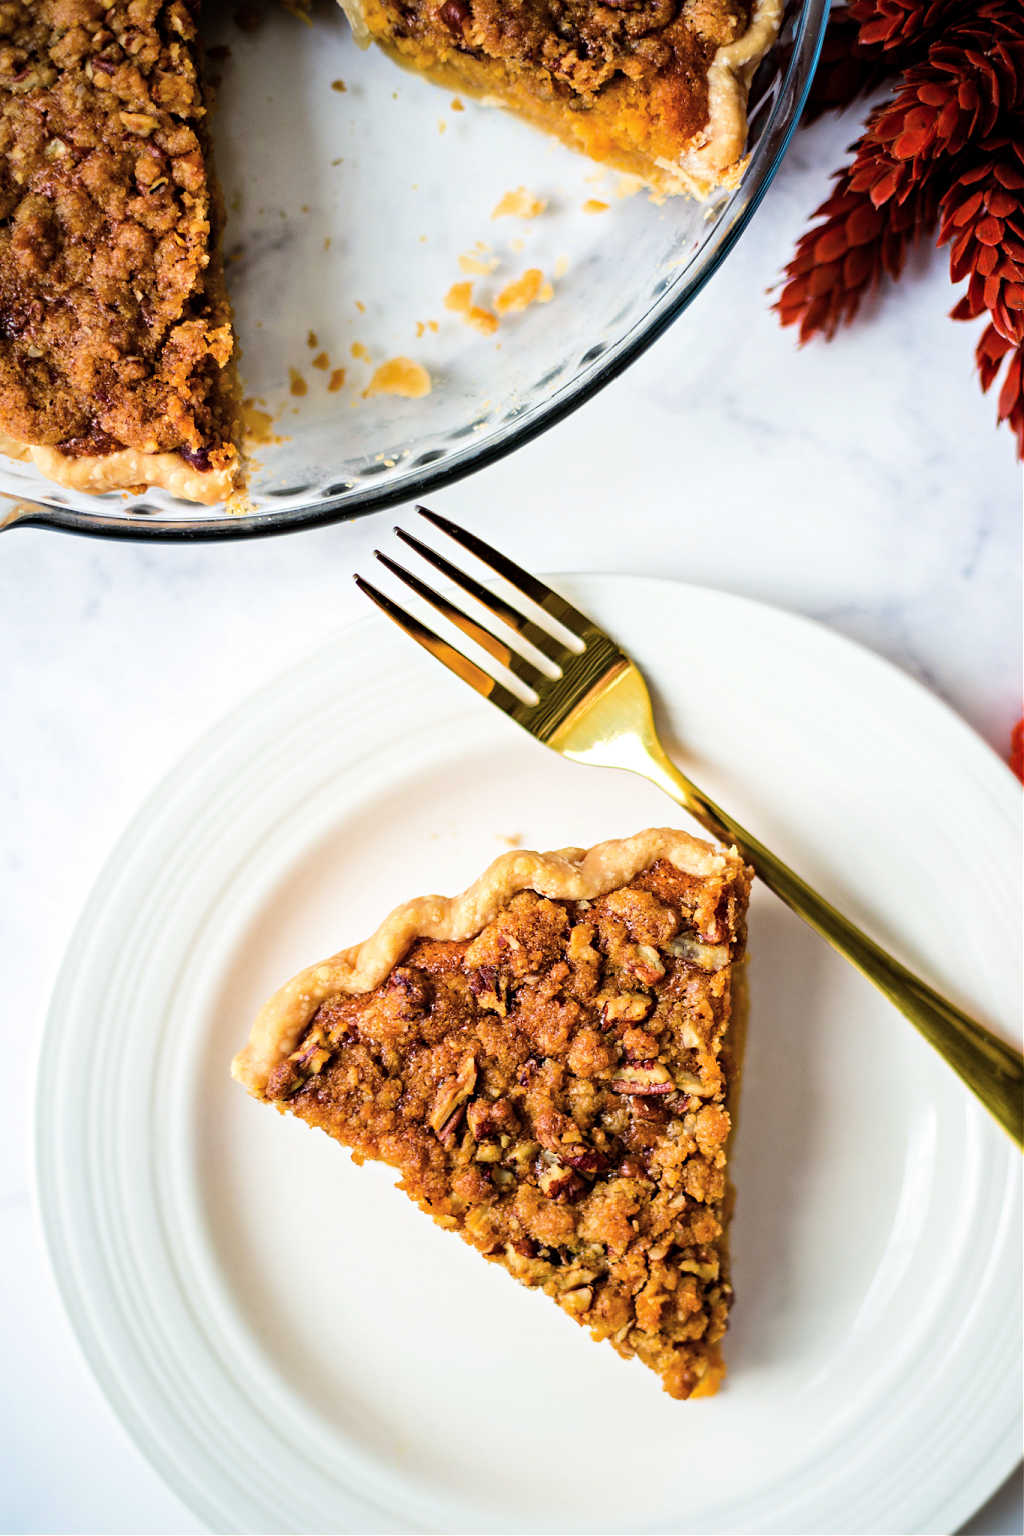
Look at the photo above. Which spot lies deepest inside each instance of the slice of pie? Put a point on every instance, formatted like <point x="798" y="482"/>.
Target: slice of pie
<point x="547" y="1060"/>
<point x="116" y="347"/>
<point x="657" y="88"/>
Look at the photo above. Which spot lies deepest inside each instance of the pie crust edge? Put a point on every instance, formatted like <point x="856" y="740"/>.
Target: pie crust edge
<point x="569" y="874"/>
<point x="125" y="470"/>
<point x="715" y="158"/>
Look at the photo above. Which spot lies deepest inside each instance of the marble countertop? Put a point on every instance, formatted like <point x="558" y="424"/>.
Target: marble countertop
<point x="862" y="483"/>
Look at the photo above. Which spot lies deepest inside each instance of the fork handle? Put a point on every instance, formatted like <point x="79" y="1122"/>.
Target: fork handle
<point x="993" y="1070"/>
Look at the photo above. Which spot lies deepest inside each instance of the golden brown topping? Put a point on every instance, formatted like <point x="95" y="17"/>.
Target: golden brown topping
<point x="114" y="328"/>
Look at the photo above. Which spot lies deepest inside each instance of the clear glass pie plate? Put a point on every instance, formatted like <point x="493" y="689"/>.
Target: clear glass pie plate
<point x="357" y="195"/>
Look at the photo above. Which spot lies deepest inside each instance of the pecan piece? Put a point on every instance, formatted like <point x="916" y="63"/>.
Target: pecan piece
<point x="578" y="1299"/>
<point x="491" y="1118"/>
<point x="491" y="990"/>
<point x="558" y="1182"/>
<point x="450" y="1099"/>
<point x="454" y="14"/>
<point x="627" y="1007"/>
<point x="643" y="1078"/>
<point x="646" y="964"/>
<point x="584" y="1159"/>
<point x="708" y="957"/>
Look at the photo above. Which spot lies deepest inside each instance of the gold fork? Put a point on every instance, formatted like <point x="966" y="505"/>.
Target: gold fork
<point x="587" y="700"/>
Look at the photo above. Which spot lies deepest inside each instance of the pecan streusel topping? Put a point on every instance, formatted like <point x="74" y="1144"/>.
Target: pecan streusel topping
<point x="555" y="1090"/>
<point x="115" y="331"/>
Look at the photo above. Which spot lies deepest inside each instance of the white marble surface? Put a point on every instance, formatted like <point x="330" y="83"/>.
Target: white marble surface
<point x="862" y="483"/>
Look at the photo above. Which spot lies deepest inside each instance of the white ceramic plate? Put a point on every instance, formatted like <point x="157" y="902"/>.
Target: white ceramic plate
<point x="297" y="1349"/>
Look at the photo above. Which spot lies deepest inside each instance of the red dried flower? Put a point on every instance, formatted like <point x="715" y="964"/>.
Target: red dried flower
<point x="846" y="69"/>
<point x="902" y="23"/>
<point x="947" y="148"/>
<point x="1017" y="749"/>
<point x="869" y="41"/>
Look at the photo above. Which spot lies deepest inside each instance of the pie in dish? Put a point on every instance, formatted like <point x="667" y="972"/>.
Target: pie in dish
<point x="547" y="1060"/>
<point x="657" y="88"/>
<point x="117" y="355"/>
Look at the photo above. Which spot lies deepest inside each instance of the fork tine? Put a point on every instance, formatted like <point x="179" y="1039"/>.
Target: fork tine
<point x="532" y="633"/>
<point x="504" y="611"/>
<point x="447" y="654"/>
<point x="576" y="622"/>
<point x="509" y="658"/>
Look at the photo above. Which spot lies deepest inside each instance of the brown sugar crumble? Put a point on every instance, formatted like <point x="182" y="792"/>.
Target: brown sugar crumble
<point x="116" y="331"/>
<point x="554" y="1090"/>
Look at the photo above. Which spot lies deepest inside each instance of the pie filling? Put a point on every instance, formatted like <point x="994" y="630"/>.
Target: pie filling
<point x="553" y="1085"/>
<point x="656" y="88"/>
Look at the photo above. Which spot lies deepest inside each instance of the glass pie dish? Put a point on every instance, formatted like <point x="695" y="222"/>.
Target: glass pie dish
<point x="372" y="217"/>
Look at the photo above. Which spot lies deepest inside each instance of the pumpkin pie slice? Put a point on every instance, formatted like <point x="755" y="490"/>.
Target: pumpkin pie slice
<point x="656" y="88"/>
<point x="547" y="1060"/>
<point x="116" y="344"/>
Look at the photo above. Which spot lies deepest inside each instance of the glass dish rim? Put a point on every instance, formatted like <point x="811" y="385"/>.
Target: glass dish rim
<point x="811" y="23"/>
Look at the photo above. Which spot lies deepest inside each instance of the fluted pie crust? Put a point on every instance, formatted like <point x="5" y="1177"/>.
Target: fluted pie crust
<point x="547" y="1060"/>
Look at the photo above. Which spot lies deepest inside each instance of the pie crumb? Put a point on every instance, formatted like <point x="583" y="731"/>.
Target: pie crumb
<point x="257" y="423"/>
<point x="459" y="297"/>
<point x="399" y="376"/>
<point x="524" y="291"/>
<point x="336" y="380"/>
<point x="519" y="204"/>
<point x="477" y="266"/>
<point x="297" y="384"/>
<point x="595" y="205"/>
